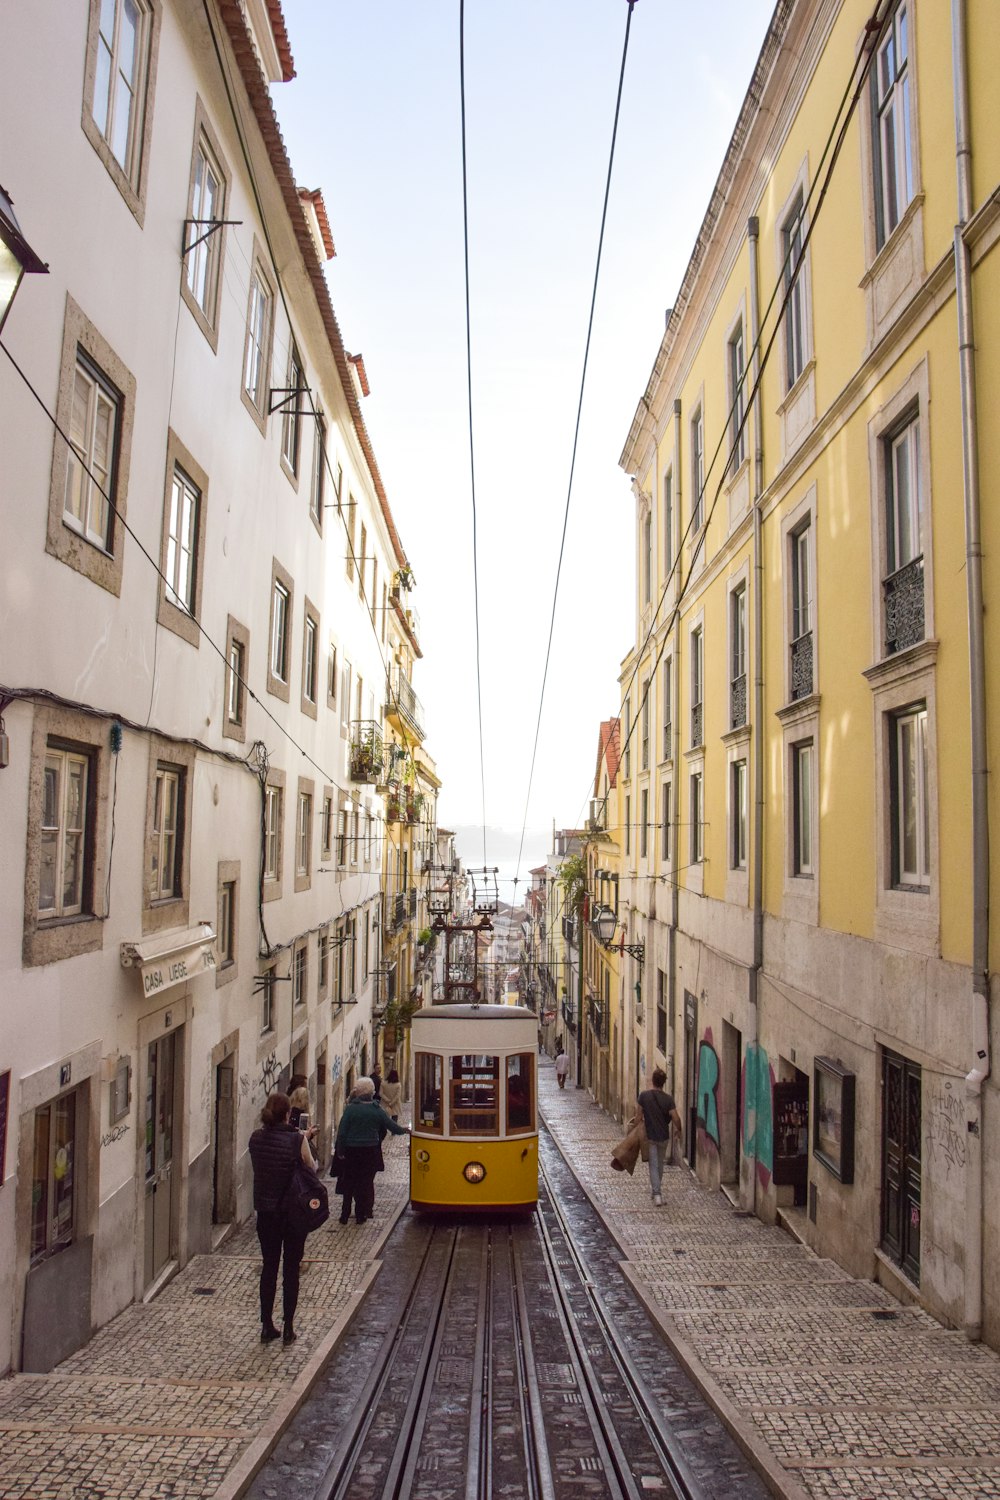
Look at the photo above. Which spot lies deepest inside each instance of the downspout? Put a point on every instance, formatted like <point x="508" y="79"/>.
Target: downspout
<point x="675" y="832"/>
<point x="980" y="1038"/>
<point x="757" y="892"/>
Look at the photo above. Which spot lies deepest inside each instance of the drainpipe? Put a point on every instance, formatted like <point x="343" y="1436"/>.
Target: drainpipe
<point x="757" y="893"/>
<point x="980" y="1068"/>
<point x="675" y="832"/>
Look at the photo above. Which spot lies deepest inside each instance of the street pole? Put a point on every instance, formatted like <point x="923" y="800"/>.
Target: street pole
<point x="579" y="998"/>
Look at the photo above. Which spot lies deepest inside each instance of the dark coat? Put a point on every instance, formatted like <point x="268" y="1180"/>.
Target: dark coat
<point x="274" y="1150"/>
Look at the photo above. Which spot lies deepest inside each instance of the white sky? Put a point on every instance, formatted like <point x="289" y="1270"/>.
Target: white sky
<point x="373" y="118"/>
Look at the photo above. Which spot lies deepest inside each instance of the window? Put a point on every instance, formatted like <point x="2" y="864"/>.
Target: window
<point x="661" y="1011"/>
<point x="910" y="801"/>
<point x="345" y="697"/>
<point x="738" y="657"/>
<point x="697" y="818"/>
<point x="303" y="834"/>
<point x="265" y="986"/>
<point x="226" y="942"/>
<point x="802" y="809"/>
<point x="893" y="144"/>
<point x="362" y="561"/>
<point x="792" y="237"/>
<point x="93" y="432"/>
<point x="327" y="825"/>
<point x="627" y="739"/>
<point x="355" y="815"/>
<point x="204" y="236"/>
<point x="182" y="541"/>
<point x="341" y="837"/>
<point x="697" y="687"/>
<point x="903" y="585"/>
<point x="668" y="522"/>
<point x="697" y="472"/>
<point x="801" y="666"/>
<point x="474" y="1102"/>
<point x="628" y="825"/>
<point x="299" y="962"/>
<point x="331" y="677"/>
<point x="53" y="1177"/>
<point x="88" y="488"/>
<point x="291" y="421"/>
<point x="665" y="822"/>
<point x="280" y="643"/>
<point x="323" y="974"/>
<point x="310" y="661"/>
<point x="520" y="1104"/>
<point x="428" y="1089"/>
<point x="647" y="558"/>
<point x="121" y="43"/>
<point x="645" y="724"/>
<point x="351" y="511"/>
<point x="738" y="810"/>
<point x="643" y="823"/>
<point x="318" y="480"/>
<point x="62" y="880"/>
<point x="668" y="708"/>
<point x="257" y="349"/>
<point x="168" y="829"/>
<point x="272" y="832"/>
<point x="737" y="399"/>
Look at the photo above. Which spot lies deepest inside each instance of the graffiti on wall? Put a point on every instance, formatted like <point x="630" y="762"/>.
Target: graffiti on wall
<point x="708" y="1090"/>
<point x="270" y="1072"/>
<point x="116" y="1133"/>
<point x="945" y="1143"/>
<point x="758" y="1122"/>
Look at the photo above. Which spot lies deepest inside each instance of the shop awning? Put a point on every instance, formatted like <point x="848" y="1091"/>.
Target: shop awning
<point x="172" y="959"/>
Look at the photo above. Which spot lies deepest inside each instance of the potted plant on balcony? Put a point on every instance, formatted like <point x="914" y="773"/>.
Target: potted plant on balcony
<point x="392" y="803"/>
<point x="366" y="757"/>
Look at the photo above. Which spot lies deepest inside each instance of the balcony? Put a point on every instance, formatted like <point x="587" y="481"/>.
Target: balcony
<point x="738" y="702"/>
<point x="802" y="666"/>
<point x="903" y="602"/>
<point x="598" y="820"/>
<point x="403" y="804"/>
<point x="366" y="750"/>
<point x="697" y="725"/>
<point x="405" y="705"/>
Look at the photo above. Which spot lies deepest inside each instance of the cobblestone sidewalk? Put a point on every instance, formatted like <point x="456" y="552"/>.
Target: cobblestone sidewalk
<point x="837" y="1390"/>
<point x="175" y="1398"/>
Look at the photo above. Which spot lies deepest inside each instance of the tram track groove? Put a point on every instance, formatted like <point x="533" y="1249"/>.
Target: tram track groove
<point x="538" y="1471"/>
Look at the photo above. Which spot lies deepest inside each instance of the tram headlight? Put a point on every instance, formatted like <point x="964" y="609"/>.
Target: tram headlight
<point x="474" y="1171"/>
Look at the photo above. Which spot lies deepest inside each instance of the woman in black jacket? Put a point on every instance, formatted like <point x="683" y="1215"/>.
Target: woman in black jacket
<point x="274" y="1149"/>
<point x="362" y="1128"/>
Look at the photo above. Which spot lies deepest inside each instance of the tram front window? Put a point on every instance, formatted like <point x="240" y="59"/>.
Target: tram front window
<point x="429" y="1070"/>
<point x="474" y="1095"/>
<point x="520" y="1103"/>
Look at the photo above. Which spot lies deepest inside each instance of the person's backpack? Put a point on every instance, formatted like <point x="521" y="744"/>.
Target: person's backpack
<point x="306" y="1203"/>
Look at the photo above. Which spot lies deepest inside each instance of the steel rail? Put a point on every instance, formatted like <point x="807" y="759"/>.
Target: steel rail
<point x="479" y="1475"/>
<point x="537" y="1468"/>
<point x="664" y="1440"/>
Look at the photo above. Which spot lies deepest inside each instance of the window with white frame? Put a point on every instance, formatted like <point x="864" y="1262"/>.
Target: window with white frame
<point x="665" y="822"/>
<point x="63" y="881"/>
<point x="738" y="814"/>
<point x="318" y="481"/>
<point x="280" y="606"/>
<point x="627" y="739"/>
<point x="342" y="836"/>
<point x="668" y="522"/>
<point x="697" y="472"/>
<point x="203" y="248"/>
<point x="235" y="681"/>
<point x="647" y="558"/>
<point x="911" y="843"/>
<point x="331" y="676"/>
<point x="903" y="585"/>
<point x="226" y="938"/>
<point x="119" y="88"/>
<point x="628" y="825"/>
<point x="303" y="835"/>
<point x="891" y="125"/>
<point x="292" y="399"/>
<point x="260" y="312"/>
<point x="327" y="825"/>
<point x="300" y="960"/>
<point x="668" y="708"/>
<point x="310" y="659"/>
<point x="801" y="674"/>
<point x="737" y="397"/>
<point x="90" y="469"/>
<point x="802" y="808"/>
<point x="696" y="804"/>
<point x="272" y="832"/>
<point x="168" y="830"/>
<point x="643" y="823"/>
<point x="182" y="541"/>
<point x="697" y="687"/>
<point x="645" y="724"/>
<point x="738" y="657"/>
<point x="792" y="244"/>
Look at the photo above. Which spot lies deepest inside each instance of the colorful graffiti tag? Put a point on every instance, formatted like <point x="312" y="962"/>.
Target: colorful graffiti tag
<point x="758" y="1122"/>
<point x="708" y="1090"/>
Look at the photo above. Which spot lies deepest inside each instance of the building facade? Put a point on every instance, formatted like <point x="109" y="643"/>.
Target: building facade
<point x="805" y="807"/>
<point x="199" y="553"/>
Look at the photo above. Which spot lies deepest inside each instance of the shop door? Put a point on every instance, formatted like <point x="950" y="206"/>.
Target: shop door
<point x="159" y="1154"/>
<point x="901" y="1086"/>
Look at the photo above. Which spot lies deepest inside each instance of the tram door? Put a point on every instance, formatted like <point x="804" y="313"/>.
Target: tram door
<point x="159" y="1154"/>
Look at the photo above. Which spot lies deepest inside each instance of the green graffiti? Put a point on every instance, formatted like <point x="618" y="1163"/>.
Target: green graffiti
<point x="758" y="1126"/>
<point x="708" y="1084"/>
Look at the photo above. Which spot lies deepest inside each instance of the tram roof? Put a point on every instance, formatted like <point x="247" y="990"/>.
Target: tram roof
<point x="474" y="1013"/>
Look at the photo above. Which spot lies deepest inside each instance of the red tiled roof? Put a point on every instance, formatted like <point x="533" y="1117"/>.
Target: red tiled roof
<point x="358" y="361"/>
<point x="267" y="122"/>
<point x="609" y="752"/>
<point x="315" y="197"/>
<point x="277" y="20"/>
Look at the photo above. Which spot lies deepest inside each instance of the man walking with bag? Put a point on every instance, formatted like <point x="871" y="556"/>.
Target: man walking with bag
<point x="660" y="1114"/>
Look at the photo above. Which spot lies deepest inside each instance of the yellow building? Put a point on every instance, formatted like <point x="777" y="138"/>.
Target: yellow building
<point x="805" y="714"/>
<point x="610" y="1014"/>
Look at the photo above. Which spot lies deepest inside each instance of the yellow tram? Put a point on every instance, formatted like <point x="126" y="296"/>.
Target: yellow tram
<point x="474" y="1143"/>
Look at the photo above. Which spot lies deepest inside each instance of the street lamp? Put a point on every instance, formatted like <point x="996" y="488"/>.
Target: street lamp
<point x="603" y="924"/>
<point x="16" y="256"/>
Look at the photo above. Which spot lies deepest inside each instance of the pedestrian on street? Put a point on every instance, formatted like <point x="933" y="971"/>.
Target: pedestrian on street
<point x="274" y="1150"/>
<point x="298" y="1098"/>
<point x="362" y="1128"/>
<point x="562" y="1067"/>
<point x="392" y="1094"/>
<point x="376" y="1077"/>
<point x="660" y="1114"/>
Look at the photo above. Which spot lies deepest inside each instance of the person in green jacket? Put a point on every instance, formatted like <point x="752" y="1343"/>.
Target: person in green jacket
<point x="362" y="1128"/>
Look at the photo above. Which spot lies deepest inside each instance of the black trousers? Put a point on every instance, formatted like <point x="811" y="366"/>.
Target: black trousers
<point x="279" y="1243"/>
<point x="357" y="1181"/>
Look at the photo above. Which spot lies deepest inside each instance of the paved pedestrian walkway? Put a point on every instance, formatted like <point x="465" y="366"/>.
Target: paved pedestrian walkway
<point x="178" y="1397"/>
<point x="835" y="1389"/>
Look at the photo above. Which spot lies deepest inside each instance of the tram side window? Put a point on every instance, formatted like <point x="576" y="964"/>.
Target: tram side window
<point x="475" y="1088"/>
<point x="429" y="1077"/>
<point x="520" y="1094"/>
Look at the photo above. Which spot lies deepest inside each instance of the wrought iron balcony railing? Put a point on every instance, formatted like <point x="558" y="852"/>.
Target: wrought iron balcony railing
<point x="367" y="750"/>
<point x="903" y="601"/>
<point x="404" y="702"/>
<point x="738" y="702"/>
<point x="802" y="666"/>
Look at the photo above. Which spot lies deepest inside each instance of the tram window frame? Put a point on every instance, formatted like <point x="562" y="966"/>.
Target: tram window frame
<point x="432" y="1090"/>
<point x="525" y="1070"/>
<point x="481" y="1070"/>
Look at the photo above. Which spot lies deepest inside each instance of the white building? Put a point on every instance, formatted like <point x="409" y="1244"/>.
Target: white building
<point x="190" y="891"/>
